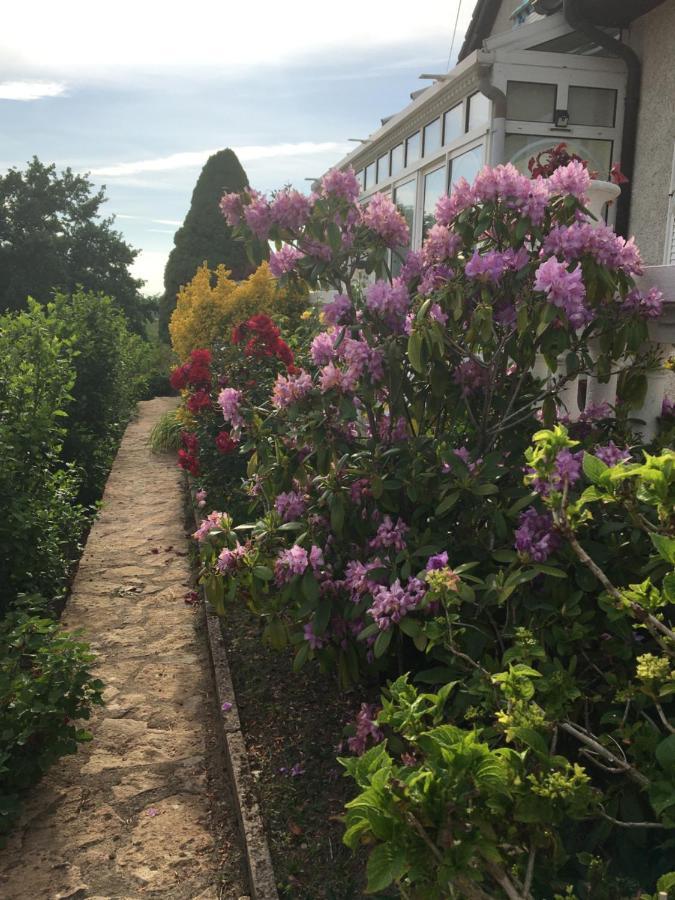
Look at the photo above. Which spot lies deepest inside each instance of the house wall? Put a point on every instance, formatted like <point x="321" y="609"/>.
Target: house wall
<point x="503" y="21"/>
<point x="653" y="38"/>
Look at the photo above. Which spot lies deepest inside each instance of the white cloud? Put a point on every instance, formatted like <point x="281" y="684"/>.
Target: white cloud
<point x="197" y="158"/>
<point x="30" y="90"/>
<point x="146" y="219"/>
<point x="225" y="35"/>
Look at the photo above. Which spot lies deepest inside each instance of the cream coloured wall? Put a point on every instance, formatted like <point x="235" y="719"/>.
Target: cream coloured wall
<point x="503" y="22"/>
<point x="653" y="38"/>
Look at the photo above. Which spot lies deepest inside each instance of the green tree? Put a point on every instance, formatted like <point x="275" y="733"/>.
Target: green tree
<point x="53" y="237"/>
<point x="204" y="235"/>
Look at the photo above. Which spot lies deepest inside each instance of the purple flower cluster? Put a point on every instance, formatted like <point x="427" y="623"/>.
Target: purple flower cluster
<point x="563" y="289"/>
<point x="322" y="349"/>
<point x="229" y="400"/>
<point x="285" y="261"/>
<point x="470" y="376"/>
<point x="649" y="305"/>
<point x="597" y="240"/>
<point x="535" y="535"/>
<point x="390" y="535"/>
<point x="289" y="389"/>
<point x="289" y="563"/>
<point x="399" y="431"/>
<point x="391" y="604"/>
<point x="611" y="455"/>
<point x="389" y="301"/>
<point x="366" y="729"/>
<point x="342" y="184"/>
<point x="357" y="580"/>
<point x="229" y="560"/>
<point x="382" y="217"/>
<point x="212" y="521"/>
<point x="232" y="208"/>
<point x="439" y="561"/>
<point x="314" y="641"/>
<point x="440" y="244"/>
<point x="449" y="207"/>
<point x="492" y="265"/>
<point x="668" y="408"/>
<point x="290" y="506"/>
<point x="258" y="215"/>
<point x="290" y="209"/>
<point x="332" y="377"/>
<point x="337" y="310"/>
<point x="570" y="179"/>
<point x="434" y="278"/>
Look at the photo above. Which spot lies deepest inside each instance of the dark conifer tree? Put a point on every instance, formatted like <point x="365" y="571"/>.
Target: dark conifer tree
<point x="204" y="235"/>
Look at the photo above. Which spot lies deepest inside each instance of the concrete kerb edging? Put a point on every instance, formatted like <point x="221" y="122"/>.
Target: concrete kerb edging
<point x="258" y="857"/>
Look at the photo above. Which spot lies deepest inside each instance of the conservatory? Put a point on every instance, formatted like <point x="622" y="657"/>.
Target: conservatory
<point x="524" y="91"/>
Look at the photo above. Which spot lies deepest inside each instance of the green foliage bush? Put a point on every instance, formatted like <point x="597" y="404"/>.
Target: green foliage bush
<point x="110" y="366"/>
<point x="45" y="687"/>
<point x="41" y="521"/>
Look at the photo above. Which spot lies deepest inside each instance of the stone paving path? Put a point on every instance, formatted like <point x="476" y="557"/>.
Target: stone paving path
<point x="144" y="810"/>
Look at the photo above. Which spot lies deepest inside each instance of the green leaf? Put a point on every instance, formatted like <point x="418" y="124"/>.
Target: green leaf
<point x="381" y="645"/>
<point x="337" y="513"/>
<point x="665" y="754"/>
<point x="669" y="587"/>
<point x="415" y="351"/>
<point x="666" y="882"/>
<point x="301" y="657"/>
<point x="485" y="490"/>
<point x="411" y="627"/>
<point x="322" y="616"/>
<point x="310" y="587"/>
<point x="385" y="864"/>
<point x="665" y="546"/>
<point x="594" y="468"/>
<point x="264" y="573"/>
<point x="447" y="503"/>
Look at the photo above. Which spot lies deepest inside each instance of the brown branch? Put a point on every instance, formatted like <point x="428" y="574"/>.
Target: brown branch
<point x="591" y="742"/>
<point x="630" y="824"/>
<point x="641" y="614"/>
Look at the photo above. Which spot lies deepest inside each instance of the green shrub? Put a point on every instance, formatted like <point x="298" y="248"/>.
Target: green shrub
<point x="110" y="365"/>
<point x="41" y="521"/>
<point x="45" y="687"/>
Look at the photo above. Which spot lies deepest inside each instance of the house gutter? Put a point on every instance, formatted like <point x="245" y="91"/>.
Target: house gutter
<point x="574" y="17"/>
<point x="498" y="98"/>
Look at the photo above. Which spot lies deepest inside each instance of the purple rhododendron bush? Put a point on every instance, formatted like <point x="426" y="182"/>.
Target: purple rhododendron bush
<point x="428" y="516"/>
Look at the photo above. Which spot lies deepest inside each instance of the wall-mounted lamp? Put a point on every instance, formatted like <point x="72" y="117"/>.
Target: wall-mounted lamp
<point x="561" y="118"/>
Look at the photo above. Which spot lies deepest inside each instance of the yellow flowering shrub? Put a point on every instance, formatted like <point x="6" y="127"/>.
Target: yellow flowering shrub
<point x="212" y="304"/>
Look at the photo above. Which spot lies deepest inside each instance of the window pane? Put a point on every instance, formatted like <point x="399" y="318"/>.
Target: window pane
<point x="479" y="111"/>
<point x="397" y="159"/>
<point x="520" y="148"/>
<point x="453" y="123"/>
<point x="359" y="178"/>
<point x="530" y="102"/>
<point x="405" y="196"/>
<point x="434" y="188"/>
<point x="467" y="165"/>
<point x="383" y="168"/>
<point x="370" y="176"/>
<point x="432" y="137"/>
<point x="412" y="149"/>
<point x="591" y="106"/>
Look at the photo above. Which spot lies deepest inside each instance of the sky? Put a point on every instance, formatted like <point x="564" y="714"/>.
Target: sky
<point x="139" y="94"/>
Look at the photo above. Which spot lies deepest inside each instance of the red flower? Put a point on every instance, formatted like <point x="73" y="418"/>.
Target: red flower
<point x="178" y="378"/>
<point x="284" y="353"/>
<point x="188" y="461"/>
<point x="224" y="442"/>
<point x="616" y="175"/>
<point x="198" y="401"/>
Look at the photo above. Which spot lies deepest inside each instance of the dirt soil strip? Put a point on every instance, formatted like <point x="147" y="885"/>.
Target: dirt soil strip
<point x="146" y="809"/>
